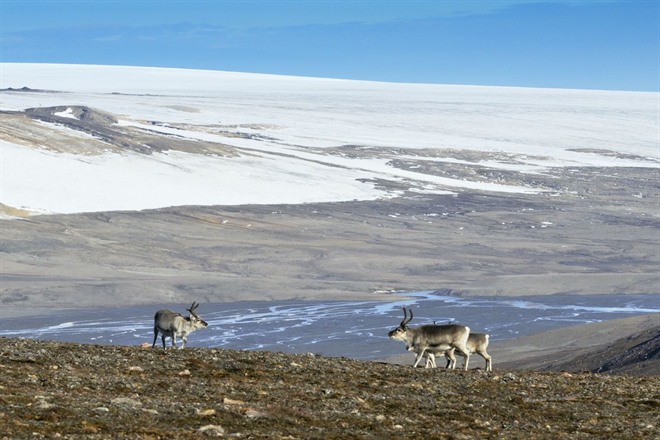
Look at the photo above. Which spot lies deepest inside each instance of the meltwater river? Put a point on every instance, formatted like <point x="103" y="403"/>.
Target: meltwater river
<point x="355" y="329"/>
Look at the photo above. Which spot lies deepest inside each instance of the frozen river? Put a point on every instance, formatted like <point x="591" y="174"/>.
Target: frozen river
<point x="356" y="329"/>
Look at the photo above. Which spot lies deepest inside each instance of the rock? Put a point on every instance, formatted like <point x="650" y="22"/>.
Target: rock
<point x="254" y="413"/>
<point x="228" y="401"/>
<point x="212" y="430"/>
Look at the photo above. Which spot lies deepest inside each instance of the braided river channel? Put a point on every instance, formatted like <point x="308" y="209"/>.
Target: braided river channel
<point x="355" y="329"/>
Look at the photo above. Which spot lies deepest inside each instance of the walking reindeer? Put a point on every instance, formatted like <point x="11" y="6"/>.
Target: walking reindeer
<point x="173" y="324"/>
<point x="476" y="343"/>
<point x="432" y="337"/>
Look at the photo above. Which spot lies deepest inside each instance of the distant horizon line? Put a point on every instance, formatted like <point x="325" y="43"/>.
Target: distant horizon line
<point x="289" y="75"/>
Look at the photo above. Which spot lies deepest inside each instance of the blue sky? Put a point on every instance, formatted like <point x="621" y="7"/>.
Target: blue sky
<point x="584" y="44"/>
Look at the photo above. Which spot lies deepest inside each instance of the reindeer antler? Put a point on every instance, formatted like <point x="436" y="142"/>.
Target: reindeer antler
<point x="411" y="316"/>
<point x="406" y="320"/>
<point x="193" y="308"/>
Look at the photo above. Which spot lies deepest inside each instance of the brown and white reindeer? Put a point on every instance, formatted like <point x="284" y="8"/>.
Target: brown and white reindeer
<point x="476" y="343"/>
<point x="173" y="324"/>
<point x="441" y="337"/>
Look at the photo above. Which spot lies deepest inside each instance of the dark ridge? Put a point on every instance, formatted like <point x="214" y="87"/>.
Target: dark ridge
<point x="625" y="359"/>
<point x="637" y="354"/>
<point x="27" y="90"/>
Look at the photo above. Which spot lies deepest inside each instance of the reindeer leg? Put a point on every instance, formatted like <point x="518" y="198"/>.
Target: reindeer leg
<point x="463" y="351"/>
<point x="418" y="358"/>
<point x="451" y="359"/>
<point x="489" y="360"/>
<point x="467" y="359"/>
<point x="429" y="360"/>
<point x="155" y="337"/>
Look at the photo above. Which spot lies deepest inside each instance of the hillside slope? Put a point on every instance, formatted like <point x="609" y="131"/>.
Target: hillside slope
<point x="60" y="390"/>
<point x="620" y="346"/>
<point x="637" y="354"/>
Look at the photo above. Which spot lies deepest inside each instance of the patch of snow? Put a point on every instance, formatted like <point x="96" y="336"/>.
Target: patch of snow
<point x="69" y="183"/>
<point x="68" y="113"/>
<point x="283" y="125"/>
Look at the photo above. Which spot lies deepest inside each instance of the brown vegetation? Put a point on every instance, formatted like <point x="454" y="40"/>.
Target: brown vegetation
<point x="64" y="390"/>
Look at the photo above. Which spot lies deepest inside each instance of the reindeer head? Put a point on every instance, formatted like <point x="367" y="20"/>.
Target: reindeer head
<point x="194" y="318"/>
<point x="399" y="333"/>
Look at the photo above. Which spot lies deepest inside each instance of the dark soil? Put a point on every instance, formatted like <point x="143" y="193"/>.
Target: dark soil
<point x="63" y="390"/>
<point x="637" y="354"/>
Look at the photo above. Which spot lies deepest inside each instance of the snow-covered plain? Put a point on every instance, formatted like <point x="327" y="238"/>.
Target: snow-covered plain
<point x="286" y="130"/>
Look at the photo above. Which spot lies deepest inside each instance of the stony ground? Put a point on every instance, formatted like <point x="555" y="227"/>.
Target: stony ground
<point x="61" y="390"/>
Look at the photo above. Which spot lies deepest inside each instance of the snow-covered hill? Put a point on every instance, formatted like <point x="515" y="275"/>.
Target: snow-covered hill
<point x="79" y="138"/>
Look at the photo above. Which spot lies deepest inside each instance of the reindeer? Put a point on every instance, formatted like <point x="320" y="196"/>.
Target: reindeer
<point x="420" y="339"/>
<point x="173" y="324"/>
<point x="476" y="343"/>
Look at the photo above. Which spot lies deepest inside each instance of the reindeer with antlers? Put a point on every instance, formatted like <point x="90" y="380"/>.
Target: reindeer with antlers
<point x="432" y="338"/>
<point x="173" y="324"/>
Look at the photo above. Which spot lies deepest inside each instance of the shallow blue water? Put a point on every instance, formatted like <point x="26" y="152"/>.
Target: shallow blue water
<point x="356" y="329"/>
